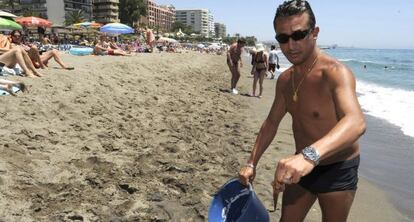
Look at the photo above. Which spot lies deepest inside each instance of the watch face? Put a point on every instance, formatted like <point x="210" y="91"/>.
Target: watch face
<point x="311" y="154"/>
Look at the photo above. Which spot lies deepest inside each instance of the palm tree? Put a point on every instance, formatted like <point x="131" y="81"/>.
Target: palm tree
<point x="9" y="4"/>
<point x="29" y="12"/>
<point x="74" y="17"/>
<point x="130" y="11"/>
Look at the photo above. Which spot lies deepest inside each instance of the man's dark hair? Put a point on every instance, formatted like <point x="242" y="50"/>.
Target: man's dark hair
<point x="294" y="7"/>
<point x="272" y="47"/>
<point x="241" y="41"/>
<point x="15" y="31"/>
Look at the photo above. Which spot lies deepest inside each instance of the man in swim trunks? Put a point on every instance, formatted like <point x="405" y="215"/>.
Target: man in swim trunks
<point x="233" y="61"/>
<point x="319" y="93"/>
<point x="103" y="47"/>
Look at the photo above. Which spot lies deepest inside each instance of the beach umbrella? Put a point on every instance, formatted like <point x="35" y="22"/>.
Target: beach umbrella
<point x="165" y="39"/>
<point x="116" y="28"/>
<point x="33" y="21"/>
<point x="9" y="24"/>
<point x="6" y="14"/>
<point x="94" y="25"/>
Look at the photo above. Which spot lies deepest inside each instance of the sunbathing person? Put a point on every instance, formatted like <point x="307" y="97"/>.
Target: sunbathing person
<point x="17" y="56"/>
<point x="104" y="48"/>
<point x="39" y="61"/>
<point x="7" y="85"/>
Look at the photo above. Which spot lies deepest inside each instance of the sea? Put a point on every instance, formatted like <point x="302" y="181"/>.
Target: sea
<point x="385" y="90"/>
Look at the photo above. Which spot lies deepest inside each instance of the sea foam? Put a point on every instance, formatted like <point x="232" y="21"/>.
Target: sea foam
<point x="391" y="104"/>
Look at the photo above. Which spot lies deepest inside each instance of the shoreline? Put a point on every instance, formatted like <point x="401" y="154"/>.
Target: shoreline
<point x="148" y="137"/>
<point x="382" y="149"/>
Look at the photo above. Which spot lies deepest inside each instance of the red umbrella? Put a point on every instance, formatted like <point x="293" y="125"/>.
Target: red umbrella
<point x="33" y="21"/>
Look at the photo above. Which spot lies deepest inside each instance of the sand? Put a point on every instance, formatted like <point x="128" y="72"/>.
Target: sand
<point x="143" y="138"/>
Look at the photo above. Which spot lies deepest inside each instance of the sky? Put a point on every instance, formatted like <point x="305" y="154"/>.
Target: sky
<point x="348" y="23"/>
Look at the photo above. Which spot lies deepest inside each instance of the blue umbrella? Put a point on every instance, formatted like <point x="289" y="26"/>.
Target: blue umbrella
<point x="116" y="28"/>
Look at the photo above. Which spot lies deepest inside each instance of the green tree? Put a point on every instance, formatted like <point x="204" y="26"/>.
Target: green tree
<point x="184" y="28"/>
<point x="9" y="4"/>
<point x="130" y="11"/>
<point x="28" y="12"/>
<point x="74" y="17"/>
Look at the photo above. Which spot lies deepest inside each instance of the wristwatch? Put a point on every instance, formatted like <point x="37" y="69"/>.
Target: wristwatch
<point x="311" y="154"/>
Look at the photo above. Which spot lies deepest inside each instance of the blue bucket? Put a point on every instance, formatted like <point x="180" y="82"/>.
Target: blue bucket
<point x="237" y="203"/>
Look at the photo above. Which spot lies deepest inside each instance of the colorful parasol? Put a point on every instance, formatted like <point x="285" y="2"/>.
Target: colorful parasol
<point x="34" y="21"/>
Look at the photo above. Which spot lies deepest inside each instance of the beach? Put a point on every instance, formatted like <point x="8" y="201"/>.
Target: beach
<point x="149" y="137"/>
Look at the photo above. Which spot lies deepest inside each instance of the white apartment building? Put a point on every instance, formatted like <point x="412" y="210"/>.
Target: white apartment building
<point x="200" y="20"/>
<point x="56" y="10"/>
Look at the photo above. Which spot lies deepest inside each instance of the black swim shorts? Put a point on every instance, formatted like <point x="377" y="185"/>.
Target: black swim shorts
<point x="338" y="176"/>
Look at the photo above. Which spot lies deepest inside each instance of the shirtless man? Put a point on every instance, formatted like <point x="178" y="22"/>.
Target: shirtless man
<point x="319" y="93"/>
<point x="233" y="61"/>
<point x="103" y="48"/>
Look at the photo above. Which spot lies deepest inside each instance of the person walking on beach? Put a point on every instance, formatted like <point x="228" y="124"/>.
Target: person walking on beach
<point x="233" y="61"/>
<point x="260" y="64"/>
<point x="273" y="61"/>
<point x="319" y="93"/>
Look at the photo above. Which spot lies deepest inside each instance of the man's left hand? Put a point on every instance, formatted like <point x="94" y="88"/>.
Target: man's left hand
<point x="291" y="169"/>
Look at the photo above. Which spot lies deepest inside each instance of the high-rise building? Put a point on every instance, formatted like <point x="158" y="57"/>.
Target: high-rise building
<point x="220" y="30"/>
<point x="159" y="16"/>
<point x="106" y="11"/>
<point x="56" y="11"/>
<point x="211" y="29"/>
<point x="200" y="20"/>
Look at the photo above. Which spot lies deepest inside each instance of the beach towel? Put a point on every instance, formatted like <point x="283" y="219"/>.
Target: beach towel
<point x="5" y="93"/>
<point x="17" y="70"/>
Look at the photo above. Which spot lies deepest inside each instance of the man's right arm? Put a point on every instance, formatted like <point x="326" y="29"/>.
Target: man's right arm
<point x="270" y="125"/>
<point x="266" y="133"/>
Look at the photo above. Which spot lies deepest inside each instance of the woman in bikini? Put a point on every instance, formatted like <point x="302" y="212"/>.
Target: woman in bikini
<point x="260" y="65"/>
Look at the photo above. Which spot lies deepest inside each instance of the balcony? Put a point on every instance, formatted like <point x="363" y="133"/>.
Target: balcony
<point x="106" y="14"/>
<point x="33" y="2"/>
<point x="106" y="7"/>
<point x="106" y="1"/>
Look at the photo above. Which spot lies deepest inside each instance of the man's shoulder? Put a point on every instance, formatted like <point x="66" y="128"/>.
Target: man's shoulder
<point x="333" y="68"/>
<point x="285" y="76"/>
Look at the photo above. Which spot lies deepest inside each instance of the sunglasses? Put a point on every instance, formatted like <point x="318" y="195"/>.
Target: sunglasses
<point x="296" y="36"/>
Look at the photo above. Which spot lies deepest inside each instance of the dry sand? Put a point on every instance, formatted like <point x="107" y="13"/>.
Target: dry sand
<point x="145" y="138"/>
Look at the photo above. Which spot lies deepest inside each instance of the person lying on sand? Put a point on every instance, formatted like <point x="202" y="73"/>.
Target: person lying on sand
<point x="8" y="85"/>
<point x="18" y="56"/>
<point x="39" y="61"/>
<point x="104" y="48"/>
<point x="21" y="57"/>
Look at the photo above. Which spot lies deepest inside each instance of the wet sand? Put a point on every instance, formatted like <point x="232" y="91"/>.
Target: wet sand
<point x="149" y="137"/>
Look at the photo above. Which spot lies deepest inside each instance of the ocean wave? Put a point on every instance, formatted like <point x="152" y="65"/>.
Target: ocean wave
<point x="391" y="104"/>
